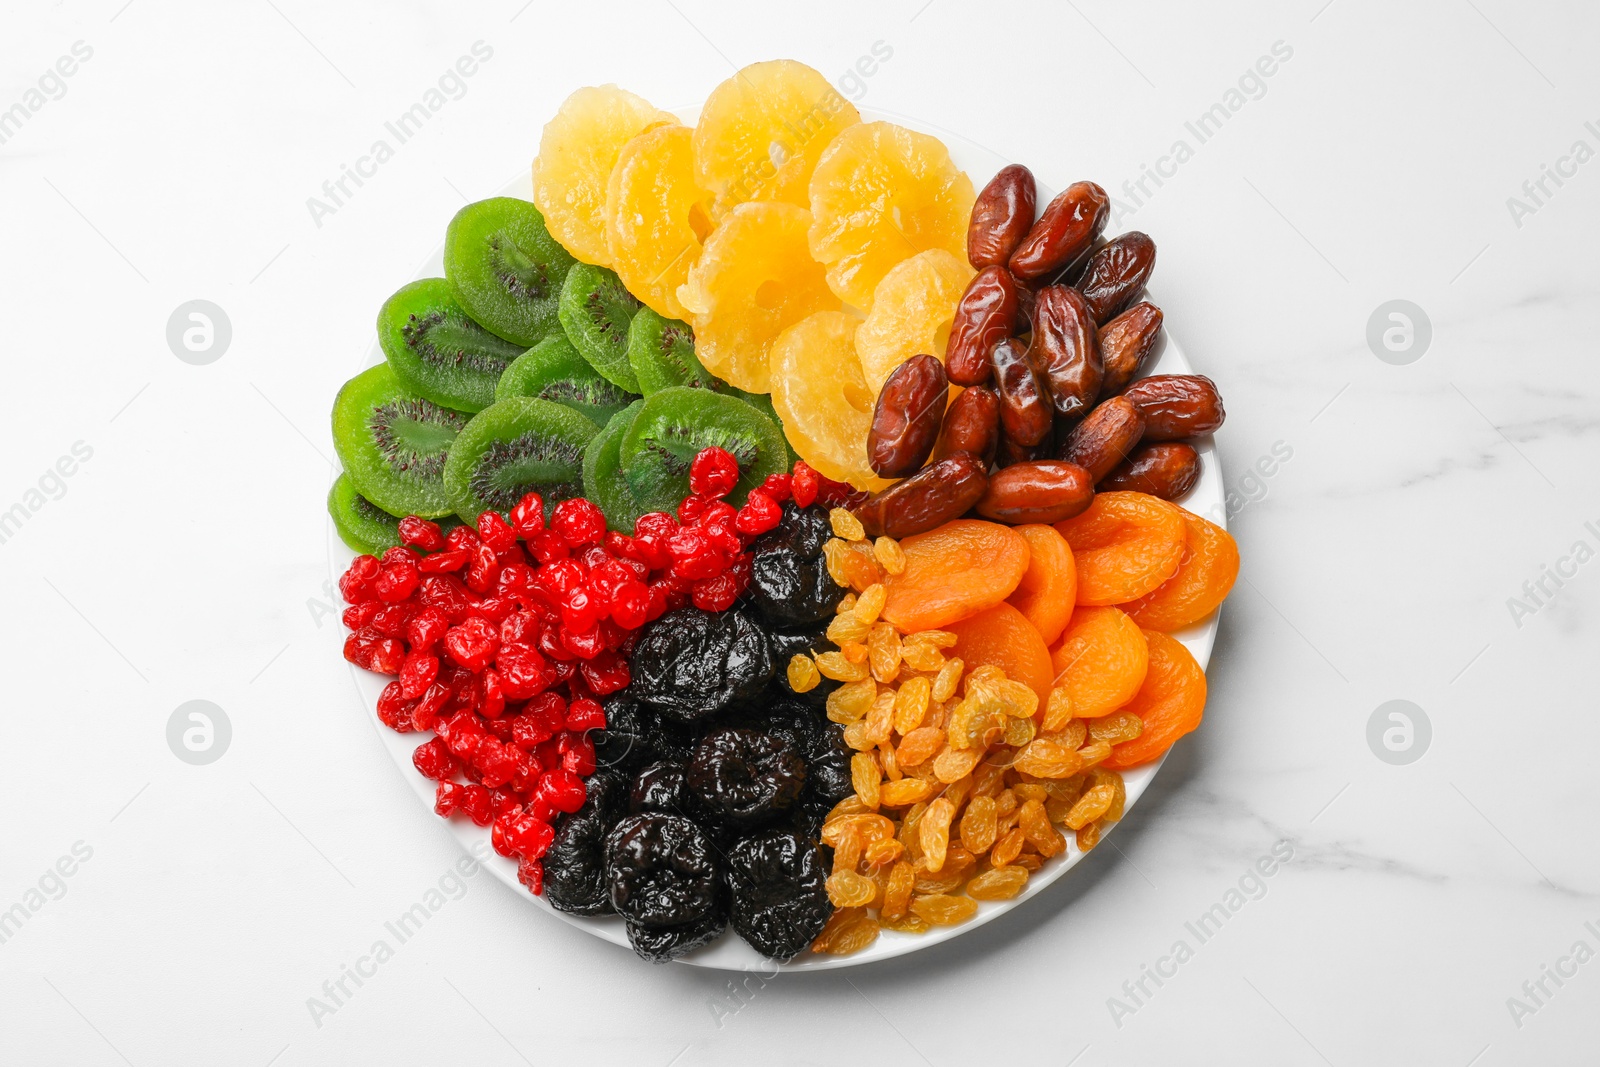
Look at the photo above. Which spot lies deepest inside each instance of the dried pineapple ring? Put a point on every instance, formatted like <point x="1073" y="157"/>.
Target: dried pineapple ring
<point x="911" y="312"/>
<point x="880" y="194"/>
<point x="657" y="216"/>
<point x="576" y="153"/>
<point x="761" y="132"/>
<point x="820" y="394"/>
<point x="754" y="279"/>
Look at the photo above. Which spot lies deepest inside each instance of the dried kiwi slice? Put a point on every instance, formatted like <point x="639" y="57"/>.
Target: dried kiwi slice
<point x="362" y="525"/>
<point x="394" y="444"/>
<point x="553" y="370"/>
<point x="505" y="268"/>
<point x="596" y="310"/>
<point x="514" y="447"/>
<point x="762" y="402"/>
<point x="438" y="351"/>
<point x="603" y="482"/>
<point x="661" y="353"/>
<point x="674" y="424"/>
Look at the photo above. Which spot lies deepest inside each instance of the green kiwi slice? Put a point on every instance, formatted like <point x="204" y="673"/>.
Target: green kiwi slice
<point x="394" y="444"/>
<point x="674" y="424"/>
<point x="514" y="447"/>
<point x="603" y="482"/>
<point x="438" y="351"/>
<point x="596" y="310"/>
<point x="553" y="370"/>
<point x="362" y="525"/>
<point x="762" y="402"/>
<point x="661" y="353"/>
<point x="505" y="268"/>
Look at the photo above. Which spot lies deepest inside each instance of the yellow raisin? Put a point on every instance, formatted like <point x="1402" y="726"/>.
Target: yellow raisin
<point x="1057" y="710"/>
<point x="1035" y="826"/>
<point x="920" y="744"/>
<point x="870" y="826"/>
<point x="998" y="883"/>
<point x="854" y="651"/>
<point x="1026" y="791"/>
<point x="953" y="764"/>
<point x="834" y="665"/>
<point x="883" y="652"/>
<point x="1094" y="752"/>
<point x="904" y="793"/>
<point x="907" y="924"/>
<point x="847" y="889"/>
<point x="921" y="656"/>
<point x="847" y="853"/>
<point x="1019" y="732"/>
<point x="1118" y="802"/>
<point x="851" y="701"/>
<point x="849" y="930"/>
<point x="934" y="831"/>
<point x="944" y="686"/>
<point x="880" y="719"/>
<point x="855" y="735"/>
<point x="889" y="761"/>
<point x="881" y="853"/>
<point x="1008" y="848"/>
<point x="1095" y="802"/>
<point x="846" y="525"/>
<point x="1115" y="729"/>
<point x="897" y="891"/>
<point x="866" y="777"/>
<point x="978" y="825"/>
<point x="936" y="638"/>
<point x="1044" y="758"/>
<point x="890" y="555"/>
<point x="1088" y="836"/>
<point x="846" y="628"/>
<point x="846" y="606"/>
<point x="911" y="705"/>
<point x="943" y="910"/>
<point x="870" y="604"/>
<point x="833" y="553"/>
<point x="803" y="676"/>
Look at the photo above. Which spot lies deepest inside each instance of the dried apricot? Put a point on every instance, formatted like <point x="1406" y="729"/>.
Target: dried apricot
<point x="1003" y="637"/>
<point x="954" y="572"/>
<point x="1101" y="661"/>
<point x="1125" y="545"/>
<point x="1205" y="575"/>
<point x="1170" y="702"/>
<point x="1049" y="587"/>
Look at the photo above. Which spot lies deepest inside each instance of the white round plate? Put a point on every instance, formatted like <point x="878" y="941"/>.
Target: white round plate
<point x="730" y="952"/>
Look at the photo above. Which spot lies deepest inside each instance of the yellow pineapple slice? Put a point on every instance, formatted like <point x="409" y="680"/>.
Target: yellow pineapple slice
<point x="576" y="153"/>
<point x="823" y="400"/>
<point x="761" y="132"/>
<point x="657" y="216"/>
<point x="755" y="277"/>
<point x="881" y="193"/>
<point x="911" y="312"/>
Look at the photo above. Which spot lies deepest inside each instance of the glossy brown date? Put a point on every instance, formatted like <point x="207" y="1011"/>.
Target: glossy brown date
<point x="929" y="498"/>
<point x="1064" y="231"/>
<point x="1001" y="217"/>
<point x="1116" y="274"/>
<point x="1008" y="452"/>
<point x="1045" y="490"/>
<point x="1125" y="343"/>
<point x="1167" y="469"/>
<point x="985" y="316"/>
<point x="1177" y="405"/>
<point x="1104" y="437"/>
<point x="972" y="424"/>
<point x="1063" y="350"/>
<point x="1024" y="403"/>
<point x="907" y="417"/>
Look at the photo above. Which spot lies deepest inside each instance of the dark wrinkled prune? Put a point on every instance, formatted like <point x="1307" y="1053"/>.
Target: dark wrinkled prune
<point x="623" y="743"/>
<point x="780" y="900"/>
<point x="689" y="663"/>
<point x="661" y="870"/>
<point x="789" y="580"/>
<point x="575" y="867"/>
<point x="660" y="944"/>
<point x="745" y="777"/>
<point x="828" y="764"/>
<point x="786" y="644"/>
<point x="661" y="786"/>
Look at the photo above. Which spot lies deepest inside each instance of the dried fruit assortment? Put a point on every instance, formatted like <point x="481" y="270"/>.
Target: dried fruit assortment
<point x="790" y="542"/>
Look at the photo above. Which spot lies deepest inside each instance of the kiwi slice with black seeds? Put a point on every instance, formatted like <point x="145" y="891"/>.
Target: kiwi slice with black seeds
<point x="661" y="353"/>
<point x="553" y="370"/>
<point x="438" y="351"/>
<point x="362" y="525"/>
<point x="596" y="311"/>
<point x="673" y="425"/>
<point x="506" y="269"/>
<point x="762" y="402"/>
<point x="603" y="482"/>
<point x="394" y="443"/>
<point x="513" y="447"/>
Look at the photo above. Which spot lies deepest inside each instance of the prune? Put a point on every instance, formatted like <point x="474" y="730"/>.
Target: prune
<point x="575" y="867"/>
<point x="745" y="777"/>
<point x="777" y="881"/>
<point x="789" y="581"/>
<point x="623" y="743"/>
<point x="661" y="944"/>
<point x="662" y="786"/>
<point x="690" y="663"/>
<point x="661" y="870"/>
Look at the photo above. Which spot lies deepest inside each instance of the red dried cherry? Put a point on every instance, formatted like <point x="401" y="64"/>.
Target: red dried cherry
<point x="422" y="533"/>
<point x="713" y="472"/>
<point x="528" y="515"/>
<point x="578" y="521"/>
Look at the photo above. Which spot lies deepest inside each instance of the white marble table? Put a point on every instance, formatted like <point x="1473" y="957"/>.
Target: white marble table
<point x="1417" y="525"/>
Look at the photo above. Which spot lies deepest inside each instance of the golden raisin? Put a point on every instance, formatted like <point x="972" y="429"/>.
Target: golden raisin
<point x="978" y="825"/>
<point x="854" y="651"/>
<point x="843" y="629"/>
<point x="847" y="853"/>
<point x="934" y="831"/>
<point x="1008" y="848"/>
<point x="1095" y="802"/>
<point x="866" y="777"/>
<point x="870" y="604"/>
<point x="851" y="701"/>
<point x="1057" y="710"/>
<point x="936" y="638"/>
<point x="920" y="744"/>
<point x="904" y="793"/>
<point x="944" y="910"/>
<point x="897" y="890"/>
<point x="944" y="686"/>
<point x="880" y="719"/>
<point x="849" y="930"/>
<point x="911" y="705"/>
<point x="883" y="652"/>
<point x="998" y="883"/>
<point x="884" y="852"/>
<point x="921" y="656"/>
<point x="1115" y="729"/>
<point x="890" y="555"/>
<point x="1035" y="825"/>
<point x="847" y="889"/>
<point x="803" y="676"/>
<point x="954" y="764"/>
<point x="1088" y="836"/>
<point x="834" y="665"/>
<point x="1044" y="758"/>
<point x="846" y="525"/>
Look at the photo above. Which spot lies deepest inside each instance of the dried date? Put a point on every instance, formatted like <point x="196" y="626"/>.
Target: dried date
<point x="986" y="315"/>
<point x="1116" y="274"/>
<point x="1177" y="405"/>
<point x="929" y="498"/>
<point x="1167" y="469"/>
<point x="1065" y="230"/>
<point x="1024" y="402"/>
<point x="1046" y="490"/>
<point x="1105" y="437"/>
<point x="1125" y="343"/>
<point x="1064" y="351"/>
<point x="972" y="424"/>
<point x="907" y="417"/>
<point x="1001" y="217"/>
